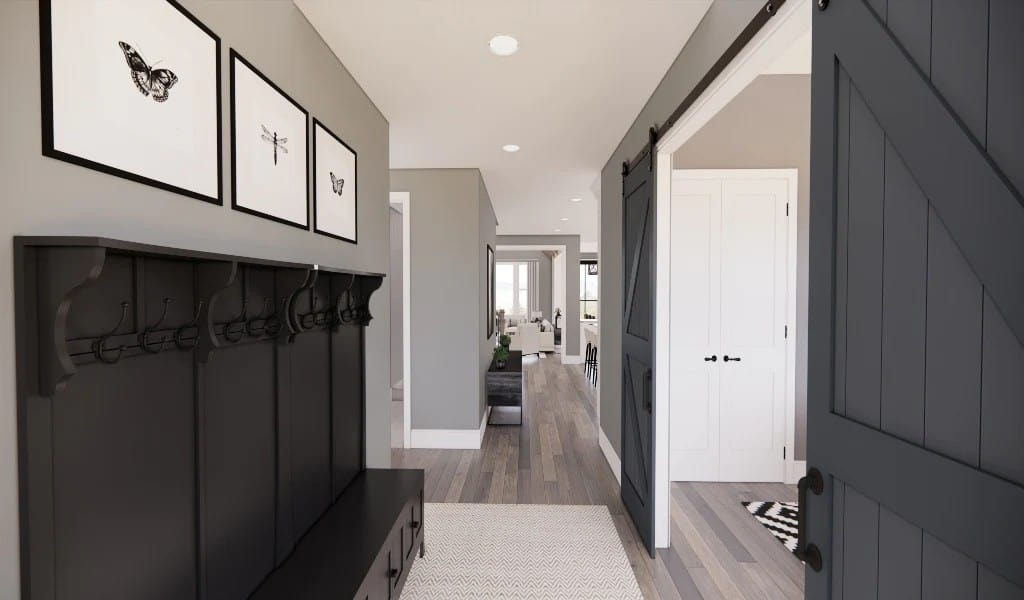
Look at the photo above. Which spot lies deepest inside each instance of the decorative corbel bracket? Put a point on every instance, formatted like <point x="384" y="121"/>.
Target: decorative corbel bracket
<point x="62" y="273"/>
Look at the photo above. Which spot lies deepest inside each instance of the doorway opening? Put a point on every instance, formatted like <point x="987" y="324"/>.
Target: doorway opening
<point x="401" y="354"/>
<point x="731" y="248"/>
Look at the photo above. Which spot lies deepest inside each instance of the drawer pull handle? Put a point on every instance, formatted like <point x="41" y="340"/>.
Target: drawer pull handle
<point x="415" y="524"/>
<point x="392" y="573"/>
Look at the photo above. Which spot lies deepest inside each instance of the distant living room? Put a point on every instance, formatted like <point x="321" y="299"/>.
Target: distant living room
<point x="526" y="309"/>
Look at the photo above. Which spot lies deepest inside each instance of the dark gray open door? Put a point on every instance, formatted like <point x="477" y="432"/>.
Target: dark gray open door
<point x="916" y="363"/>
<point x="638" y="184"/>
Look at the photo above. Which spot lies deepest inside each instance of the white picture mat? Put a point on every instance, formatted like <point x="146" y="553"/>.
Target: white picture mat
<point x="100" y="115"/>
<point x="335" y="214"/>
<point x="277" y="190"/>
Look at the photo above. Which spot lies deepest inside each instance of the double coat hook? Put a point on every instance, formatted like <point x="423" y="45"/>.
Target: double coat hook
<point x="179" y="333"/>
<point x="99" y="349"/>
<point x="144" y="336"/>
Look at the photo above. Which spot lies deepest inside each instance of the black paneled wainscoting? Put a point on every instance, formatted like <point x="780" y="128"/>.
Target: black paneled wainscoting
<point x="188" y="421"/>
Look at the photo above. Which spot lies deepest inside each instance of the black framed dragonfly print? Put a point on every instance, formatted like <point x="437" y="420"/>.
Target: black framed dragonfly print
<point x="269" y="157"/>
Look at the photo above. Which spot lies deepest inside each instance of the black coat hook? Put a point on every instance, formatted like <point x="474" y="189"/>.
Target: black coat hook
<point x="232" y="337"/>
<point x="144" y="336"/>
<point x="250" y="327"/>
<point x="180" y="332"/>
<point x="312" y="316"/>
<point x="272" y="324"/>
<point x="99" y="346"/>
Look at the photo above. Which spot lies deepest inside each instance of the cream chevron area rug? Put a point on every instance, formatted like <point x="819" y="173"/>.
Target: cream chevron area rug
<point x="521" y="551"/>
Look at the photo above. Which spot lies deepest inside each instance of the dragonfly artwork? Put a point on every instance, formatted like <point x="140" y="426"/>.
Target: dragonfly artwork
<point x="277" y="142"/>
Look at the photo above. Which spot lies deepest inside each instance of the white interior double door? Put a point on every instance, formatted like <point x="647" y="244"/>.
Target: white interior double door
<point x="731" y="276"/>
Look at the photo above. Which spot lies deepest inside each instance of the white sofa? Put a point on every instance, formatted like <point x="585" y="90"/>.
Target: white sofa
<point x="529" y="339"/>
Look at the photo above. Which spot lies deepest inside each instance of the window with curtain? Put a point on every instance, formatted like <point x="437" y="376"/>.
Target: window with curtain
<point x="515" y="288"/>
<point x="588" y="290"/>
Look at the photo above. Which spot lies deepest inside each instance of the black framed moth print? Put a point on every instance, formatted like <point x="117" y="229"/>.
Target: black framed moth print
<point x="335" y="201"/>
<point x="132" y="88"/>
<point x="269" y="158"/>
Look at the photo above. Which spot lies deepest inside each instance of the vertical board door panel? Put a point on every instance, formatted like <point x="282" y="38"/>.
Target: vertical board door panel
<point x="916" y="322"/>
<point x="637" y="486"/>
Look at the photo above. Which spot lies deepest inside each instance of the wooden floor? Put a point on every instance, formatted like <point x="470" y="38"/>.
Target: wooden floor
<point x="718" y="550"/>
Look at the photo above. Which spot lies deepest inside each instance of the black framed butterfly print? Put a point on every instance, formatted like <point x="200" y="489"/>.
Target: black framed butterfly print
<point x="132" y="88"/>
<point x="269" y="157"/>
<point x="335" y="201"/>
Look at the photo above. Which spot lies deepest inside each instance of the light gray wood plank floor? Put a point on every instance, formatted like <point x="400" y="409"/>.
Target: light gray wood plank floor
<point x="718" y="550"/>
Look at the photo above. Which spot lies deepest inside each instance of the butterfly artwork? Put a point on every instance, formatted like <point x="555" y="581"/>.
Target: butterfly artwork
<point x="150" y="81"/>
<point x="337" y="183"/>
<point x="275" y="141"/>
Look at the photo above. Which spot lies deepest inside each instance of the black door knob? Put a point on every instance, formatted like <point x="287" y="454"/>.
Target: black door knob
<point x="726" y="358"/>
<point x="712" y="358"/>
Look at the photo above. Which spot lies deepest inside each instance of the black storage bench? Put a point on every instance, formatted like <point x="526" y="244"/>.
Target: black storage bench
<point x="362" y="547"/>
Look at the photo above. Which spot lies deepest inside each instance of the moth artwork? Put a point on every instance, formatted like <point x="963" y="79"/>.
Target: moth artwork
<point x="337" y="184"/>
<point x="335" y="205"/>
<point x="269" y="157"/>
<point x="275" y="141"/>
<point x="132" y="88"/>
<point x="157" y="82"/>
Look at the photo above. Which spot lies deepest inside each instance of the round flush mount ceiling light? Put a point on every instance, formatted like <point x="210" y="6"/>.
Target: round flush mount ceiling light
<point x="504" y="45"/>
<point x="565" y="218"/>
<point x="510" y="148"/>
<point x="558" y="230"/>
<point x="575" y="199"/>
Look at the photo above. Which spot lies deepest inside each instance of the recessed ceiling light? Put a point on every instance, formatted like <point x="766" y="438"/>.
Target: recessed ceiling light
<point x="504" y="45"/>
<point x="565" y="218"/>
<point x="557" y="230"/>
<point x="575" y="199"/>
<point x="510" y="148"/>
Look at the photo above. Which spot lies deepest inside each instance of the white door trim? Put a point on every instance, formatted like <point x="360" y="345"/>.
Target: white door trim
<point x="402" y="199"/>
<point x="792" y="21"/>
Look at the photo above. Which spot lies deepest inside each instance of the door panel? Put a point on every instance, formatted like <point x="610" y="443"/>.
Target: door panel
<point x="916" y="236"/>
<point x="638" y="346"/>
<point x="696" y="218"/>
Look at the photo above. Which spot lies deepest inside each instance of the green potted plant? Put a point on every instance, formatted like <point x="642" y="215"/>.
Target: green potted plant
<point x="501" y="357"/>
<point x="505" y="340"/>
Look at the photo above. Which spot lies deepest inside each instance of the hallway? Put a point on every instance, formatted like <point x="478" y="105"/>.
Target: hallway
<point x="718" y="550"/>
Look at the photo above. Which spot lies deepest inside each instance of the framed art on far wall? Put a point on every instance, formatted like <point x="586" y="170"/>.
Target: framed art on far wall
<point x="335" y="197"/>
<point x="269" y="158"/>
<point x="490" y="292"/>
<point x="132" y="88"/>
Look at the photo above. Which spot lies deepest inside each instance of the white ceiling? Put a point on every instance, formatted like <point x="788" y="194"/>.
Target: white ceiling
<point x="584" y="70"/>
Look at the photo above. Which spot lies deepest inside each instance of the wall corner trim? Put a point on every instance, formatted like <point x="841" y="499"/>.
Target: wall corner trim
<point x="610" y="455"/>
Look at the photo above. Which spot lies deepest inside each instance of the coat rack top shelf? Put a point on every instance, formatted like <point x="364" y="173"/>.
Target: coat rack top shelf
<point x="101" y="300"/>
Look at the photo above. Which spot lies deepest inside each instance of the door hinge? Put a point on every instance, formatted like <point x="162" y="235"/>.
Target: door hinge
<point x="787" y="209"/>
<point x="783" y="453"/>
<point x="785" y="331"/>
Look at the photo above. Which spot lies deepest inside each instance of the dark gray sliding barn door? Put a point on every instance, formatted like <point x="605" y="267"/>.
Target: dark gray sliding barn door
<point x="916" y="390"/>
<point x="638" y="184"/>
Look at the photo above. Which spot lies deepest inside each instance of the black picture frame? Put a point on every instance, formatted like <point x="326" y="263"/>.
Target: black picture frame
<point x="232" y="56"/>
<point x="316" y="214"/>
<point x="490" y="292"/>
<point x="48" y="146"/>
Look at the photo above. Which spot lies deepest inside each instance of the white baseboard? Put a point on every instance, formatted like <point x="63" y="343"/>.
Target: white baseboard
<point x="451" y="439"/>
<point x="610" y="455"/>
<point x="572" y="359"/>
<point x="795" y="469"/>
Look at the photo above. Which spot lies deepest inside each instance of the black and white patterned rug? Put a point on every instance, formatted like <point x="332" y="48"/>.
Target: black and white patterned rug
<point x="780" y="518"/>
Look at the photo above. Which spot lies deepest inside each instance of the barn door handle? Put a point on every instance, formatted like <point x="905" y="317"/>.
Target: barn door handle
<point x="733" y="359"/>
<point x="647" y="390"/>
<point x="808" y="553"/>
<point x="712" y="358"/>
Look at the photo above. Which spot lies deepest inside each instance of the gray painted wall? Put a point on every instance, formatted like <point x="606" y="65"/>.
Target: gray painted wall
<point x="571" y="317"/>
<point x="451" y="221"/>
<point x="395" y="270"/>
<point x="739" y="137"/>
<point x="720" y="26"/>
<point x="543" y="275"/>
<point x="45" y="196"/>
<point x="488" y="226"/>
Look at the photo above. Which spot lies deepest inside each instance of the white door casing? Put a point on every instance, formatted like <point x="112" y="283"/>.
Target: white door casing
<point x="732" y="282"/>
